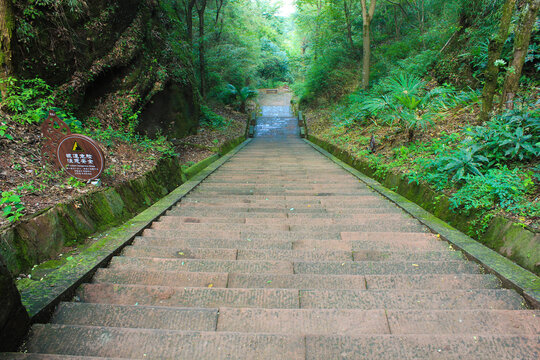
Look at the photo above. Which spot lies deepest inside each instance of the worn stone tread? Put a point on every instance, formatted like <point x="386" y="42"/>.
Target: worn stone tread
<point x="382" y="255"/>
<point x="296" y="281"/>
<point x="409" y="347"/>
<point x="237" y="235"/>
<point x="387" y="267"/>
<point x="432" y="282"/>
<point x="295" y="255"/>
<point x="180" y="253"/>
<point x="121" y="294"/>
<point x="145" y="317"/>
<point x="213" y="243"/>
<point x="474" y="299"/>
<point x="161" y="344"/>
<point x="34" y="356"/>
<point x="160" y="278"/>
<point x="509" y="322"/>
<point x="201" y="265"/>
<point x="303" y="321"/>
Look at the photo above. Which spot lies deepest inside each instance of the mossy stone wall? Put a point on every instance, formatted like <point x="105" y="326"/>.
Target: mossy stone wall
<point x="43" y="236"/>
<point x="510" y="239"/>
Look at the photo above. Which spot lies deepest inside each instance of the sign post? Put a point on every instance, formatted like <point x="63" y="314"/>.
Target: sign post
<point x="79" y="155"/>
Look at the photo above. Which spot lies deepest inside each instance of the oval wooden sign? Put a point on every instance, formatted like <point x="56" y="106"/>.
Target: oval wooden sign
<point x="80" y="156"/>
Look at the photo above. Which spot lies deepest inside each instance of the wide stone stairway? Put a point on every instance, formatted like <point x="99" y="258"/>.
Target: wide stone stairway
<point x="282" y="254"/>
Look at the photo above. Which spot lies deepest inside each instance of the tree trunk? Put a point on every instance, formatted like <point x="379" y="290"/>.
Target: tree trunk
<point x="347" y="12"/>
<point x="521" y="46"/>
<point x="367" y="16"/>
<point x="494" y="53"/>
<point x="201" y="8"/>
<point x="7" y="24"/>
<point x="422" y="16"/>
<point x="396" y="22"/>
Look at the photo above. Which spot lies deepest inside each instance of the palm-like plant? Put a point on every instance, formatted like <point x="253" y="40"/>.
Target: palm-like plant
<point x="242" y="95"/>
<point x="404" y="101"/>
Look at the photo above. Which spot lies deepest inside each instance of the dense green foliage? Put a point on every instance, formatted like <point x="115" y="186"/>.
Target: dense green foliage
<point x="428" y="67"/>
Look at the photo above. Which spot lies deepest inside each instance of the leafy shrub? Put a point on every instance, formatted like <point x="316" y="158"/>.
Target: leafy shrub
<point x="510" y="136"/>
<point x="499" y="186"/>
<point x="405" y="101"/>
<point x="211" y="119"/>
<point x="242" y="95"/>
<point x="27" y="100"/>
<point x="460" y="163"/>
<point x="12" y="206"/>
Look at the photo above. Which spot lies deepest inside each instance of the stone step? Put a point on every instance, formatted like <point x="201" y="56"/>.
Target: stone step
<point x="241" y="180"/>
<point x="432" y="282"/>
<point x="213" y="243"/>
<point x="160" y="278"/>
<point x="341" y="214"/>
<point x="329" y="220"/>
<point x="104" y="293"/>
<point x="417" y="255"/>
<point x="389" y="236"/>
<point x="270" y="187"/>
<point x="202" y="265"/>
<point x="244" y="207"/>
<point x="205" y="220"/>
<point x="387" y="267"/>
<point x="249" y="200"/>
<point x="34" y="356"/>
<point x="475" y="299"/>
<point x="296" y="220"/>
<point x="295" y="255"/>
<point x="279" y="204"/>
<point x="240" y="235"/>
<point x="409" y="347"/>
<point x="162" y="344"/>
<point x="401" y="245"/>
<point x="359" y="282"/>
<point x="322" y="193"/>
<point x="398" y="225"/>
<point x="309" y="244"/>
<point x="303" y="321"/>
<point x="179" y="253"/>
<point x="381" y="245"/>
<point x="397" y="322"/>
<point x="144" y="317"/>
<point x="188" y="227"/>
<point x="364" y="226"/>
<point x="233" y="254"/>
<point x="507" y="322"/>
<point x="404" y="226"/>
<point x="227" y="213"/>
<point x="244" y="212"/>
<point x="297" y="281"/>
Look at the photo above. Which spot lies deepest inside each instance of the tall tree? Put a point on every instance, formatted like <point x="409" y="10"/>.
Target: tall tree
<point x="367" y="17"/>
<point x="7" y="25"/>
<point x="184" y="9"/>
<point x="200" y="5"/>
<point x="347" y="10"/>
<point x="494" y="53"/>
<point x="521" y="46"/>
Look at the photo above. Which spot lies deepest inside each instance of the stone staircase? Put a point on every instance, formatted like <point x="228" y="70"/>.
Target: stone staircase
<point x="281" y="254"/>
